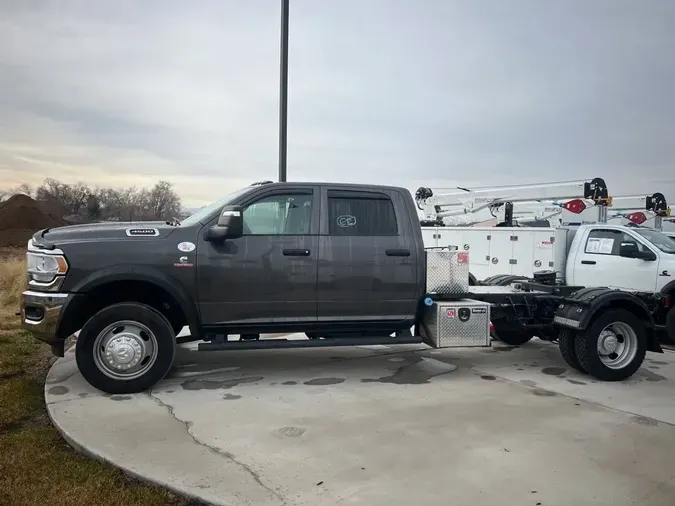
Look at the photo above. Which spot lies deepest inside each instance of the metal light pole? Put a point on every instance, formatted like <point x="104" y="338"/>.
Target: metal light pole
<point x="283" y="92"/>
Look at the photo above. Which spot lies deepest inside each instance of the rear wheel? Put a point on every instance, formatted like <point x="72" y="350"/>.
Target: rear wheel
<point x="125" y="348"/>
<point x="613" y="347"/>
<point x="566" y="339"/>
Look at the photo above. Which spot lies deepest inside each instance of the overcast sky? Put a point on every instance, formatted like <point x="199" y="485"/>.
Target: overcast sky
<point x="423" y="92"/>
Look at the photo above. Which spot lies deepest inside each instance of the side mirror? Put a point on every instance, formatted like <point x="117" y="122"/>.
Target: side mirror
<point x="230" y="225"/>
<point x="630" y="250"/>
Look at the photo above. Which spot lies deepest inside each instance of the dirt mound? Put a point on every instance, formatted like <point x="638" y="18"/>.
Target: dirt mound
<point x="21" y="217"/>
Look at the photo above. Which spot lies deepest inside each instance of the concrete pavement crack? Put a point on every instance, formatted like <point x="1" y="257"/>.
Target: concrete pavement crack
<point x="215" y="450"/>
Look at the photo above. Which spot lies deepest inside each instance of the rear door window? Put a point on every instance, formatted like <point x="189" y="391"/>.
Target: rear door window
<point x="361" y="214"/>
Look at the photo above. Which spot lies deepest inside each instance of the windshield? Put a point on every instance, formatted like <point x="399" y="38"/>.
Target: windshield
<point x="205" y="212"/>
<point x="661" y="241"/>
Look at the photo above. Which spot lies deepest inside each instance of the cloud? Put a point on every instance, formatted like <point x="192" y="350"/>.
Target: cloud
<point x="433" y="93"/>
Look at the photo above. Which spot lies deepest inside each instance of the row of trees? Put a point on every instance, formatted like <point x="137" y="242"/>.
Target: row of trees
<point x="82" y="203"/>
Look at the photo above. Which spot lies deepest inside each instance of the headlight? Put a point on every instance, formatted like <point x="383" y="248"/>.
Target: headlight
<point x="43" y="268"/>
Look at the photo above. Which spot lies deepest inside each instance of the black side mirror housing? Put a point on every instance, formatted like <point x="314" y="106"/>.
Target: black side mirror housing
<point x="630" y="250"/>
<point x="230" y="225"/>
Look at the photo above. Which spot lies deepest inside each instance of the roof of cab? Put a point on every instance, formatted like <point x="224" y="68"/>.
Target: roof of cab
<point x="324" y="183"/>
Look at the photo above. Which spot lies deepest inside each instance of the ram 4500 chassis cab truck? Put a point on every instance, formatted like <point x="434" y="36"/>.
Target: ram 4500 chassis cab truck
<point x="345" y="264"/>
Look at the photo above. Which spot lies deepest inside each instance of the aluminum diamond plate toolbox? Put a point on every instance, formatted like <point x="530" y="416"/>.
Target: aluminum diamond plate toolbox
<point x="461" y="323"/>
<point x="447" y="271"/>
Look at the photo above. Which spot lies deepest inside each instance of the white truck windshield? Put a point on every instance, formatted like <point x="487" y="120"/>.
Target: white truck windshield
<point x="661" y="241"/>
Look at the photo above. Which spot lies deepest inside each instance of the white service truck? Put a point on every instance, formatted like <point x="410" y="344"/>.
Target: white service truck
<point x="523" y="250"/>
<point x="586" y="250"/>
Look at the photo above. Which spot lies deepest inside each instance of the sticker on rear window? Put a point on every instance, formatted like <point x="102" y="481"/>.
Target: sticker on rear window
<point x="346" y="220"/>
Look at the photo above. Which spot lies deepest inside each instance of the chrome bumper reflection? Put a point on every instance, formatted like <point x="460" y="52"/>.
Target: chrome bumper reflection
<point x="40" y="313"/>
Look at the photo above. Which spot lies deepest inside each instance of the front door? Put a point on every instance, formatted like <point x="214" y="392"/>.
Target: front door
<point x="269" y="275"/>
<point x="368" y="258"/>
<point x="599" y="264"/>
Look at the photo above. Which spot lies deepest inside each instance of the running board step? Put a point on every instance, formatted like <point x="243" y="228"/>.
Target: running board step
<point x="308" y="343"/>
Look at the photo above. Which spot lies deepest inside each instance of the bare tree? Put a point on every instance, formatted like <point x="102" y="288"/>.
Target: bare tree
<point x="163" y="203"/>
<point x="126" y="204"/>
<point x="78" y="196"/>
<point x="25" y="189"/>
<point x="51" y="189"/>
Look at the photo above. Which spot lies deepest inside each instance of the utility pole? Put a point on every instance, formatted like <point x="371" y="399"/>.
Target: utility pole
<point x="283" y="92"/>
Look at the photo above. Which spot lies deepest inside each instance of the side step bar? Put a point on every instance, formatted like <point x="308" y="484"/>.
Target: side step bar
<point x="307" y="343"/>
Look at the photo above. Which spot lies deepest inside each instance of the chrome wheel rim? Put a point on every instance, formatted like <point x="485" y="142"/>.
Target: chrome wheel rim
<point x="617" y="345"/>
<point x="125" y="350"/>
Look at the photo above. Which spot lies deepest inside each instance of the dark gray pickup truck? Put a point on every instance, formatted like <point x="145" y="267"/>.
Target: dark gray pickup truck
<point x="343" y="264"/>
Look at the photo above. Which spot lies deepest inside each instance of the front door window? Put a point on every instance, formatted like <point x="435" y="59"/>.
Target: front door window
<point x="279" y="215"/>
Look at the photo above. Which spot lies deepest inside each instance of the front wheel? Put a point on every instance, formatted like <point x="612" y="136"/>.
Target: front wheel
<point x="125" y="348"/>
<point x="613" y="347"/>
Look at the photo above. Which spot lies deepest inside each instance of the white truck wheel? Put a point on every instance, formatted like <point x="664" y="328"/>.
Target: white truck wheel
<point x="566" y="339"/>
<point x="613" y="347"/>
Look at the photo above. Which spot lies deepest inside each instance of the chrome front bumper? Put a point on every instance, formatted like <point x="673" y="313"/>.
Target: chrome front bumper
<point x="40" y="312"/>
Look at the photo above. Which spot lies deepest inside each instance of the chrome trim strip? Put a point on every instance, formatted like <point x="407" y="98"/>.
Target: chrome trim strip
<point x="50" y="286"/>
<point x="46" y="295"/>
<point x="34" y="249"/>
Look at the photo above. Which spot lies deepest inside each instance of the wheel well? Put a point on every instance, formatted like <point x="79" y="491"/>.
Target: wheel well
<point x="639" y="312"/>
<point x="143" y="292"/>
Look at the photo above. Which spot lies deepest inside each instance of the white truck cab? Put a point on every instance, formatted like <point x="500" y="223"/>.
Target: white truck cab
<point x="619" y="257"/>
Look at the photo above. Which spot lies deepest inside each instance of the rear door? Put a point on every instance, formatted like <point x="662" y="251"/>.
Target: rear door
<point x="597" y="262"/>
<point x="367" y="258"/>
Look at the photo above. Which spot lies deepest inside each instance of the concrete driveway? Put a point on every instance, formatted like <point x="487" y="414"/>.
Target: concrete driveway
<point x="385" y="426"/>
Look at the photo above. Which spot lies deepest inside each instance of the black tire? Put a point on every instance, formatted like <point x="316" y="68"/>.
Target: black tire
<point x="566" y="339"/>
<point x="512" y="337"/>
<point x="154" y="321"/>
<point x="586" y="346"/>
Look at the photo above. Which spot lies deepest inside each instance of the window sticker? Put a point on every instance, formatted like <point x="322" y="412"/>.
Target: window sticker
<point x="593" y="246"/>
<point x="606" y="246"/>
<point x="346" y="220"/>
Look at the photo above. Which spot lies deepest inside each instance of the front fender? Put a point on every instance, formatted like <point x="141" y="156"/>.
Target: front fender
<point x="149" y="275"/>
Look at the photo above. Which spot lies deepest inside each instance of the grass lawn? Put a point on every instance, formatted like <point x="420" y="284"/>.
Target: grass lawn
<point x="36" y="465"/>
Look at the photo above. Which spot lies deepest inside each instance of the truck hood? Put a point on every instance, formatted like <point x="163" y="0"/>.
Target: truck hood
<point x="50" y="237"/>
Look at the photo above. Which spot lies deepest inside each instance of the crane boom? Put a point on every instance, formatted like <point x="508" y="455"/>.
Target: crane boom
<point x="465" y="200"/>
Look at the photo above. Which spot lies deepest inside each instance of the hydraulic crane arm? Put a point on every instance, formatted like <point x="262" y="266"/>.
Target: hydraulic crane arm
<point x="440" y="205"/>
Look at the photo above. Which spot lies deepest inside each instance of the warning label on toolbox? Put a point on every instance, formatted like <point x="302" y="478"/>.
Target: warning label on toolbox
<point x="544" y="244"/>
<point x="462" y="257"/>
<point x="450" y="313"/>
